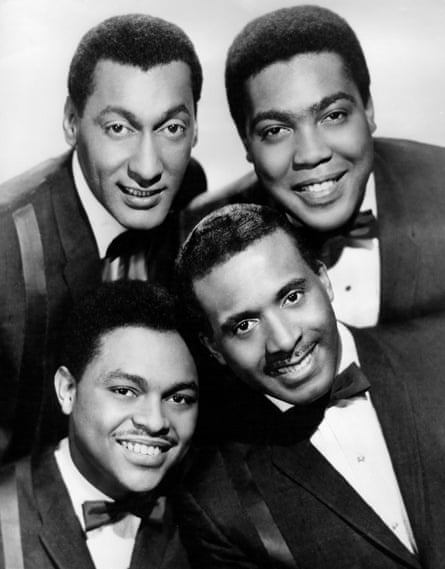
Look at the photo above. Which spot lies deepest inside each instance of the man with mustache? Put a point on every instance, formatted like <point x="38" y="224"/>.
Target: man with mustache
<point x="129" y="387"/>
<point x="298" y="89"/>
<point x="108" y="209"/>
<point x="321" y="447"/>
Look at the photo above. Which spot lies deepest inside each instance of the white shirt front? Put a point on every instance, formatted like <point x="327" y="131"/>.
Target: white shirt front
<point x="355" y="278"/>
<point x="351" y="439"/>
<point x="110" y="546"/>
<point x="103" y="225"/>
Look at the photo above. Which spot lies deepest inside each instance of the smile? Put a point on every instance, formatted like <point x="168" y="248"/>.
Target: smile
<point x="295" y="366"/>
<point x="139" y="448"/>
<point x="137" y="193"/>
<point x="319" y="191"/>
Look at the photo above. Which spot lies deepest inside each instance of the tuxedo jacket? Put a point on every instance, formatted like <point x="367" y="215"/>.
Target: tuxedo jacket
<point x="49" y="259"/>
<point x="293" y="499"/>
<point x="410" y="192"/>
<point x="52" y="537"/>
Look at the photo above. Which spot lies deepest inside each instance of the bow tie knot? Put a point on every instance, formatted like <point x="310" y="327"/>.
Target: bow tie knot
<point x="98" y="513"/>
<point x="363" y="226"/>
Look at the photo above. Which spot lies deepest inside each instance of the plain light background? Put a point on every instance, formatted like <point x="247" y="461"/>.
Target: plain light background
<point x="404" y="42"/>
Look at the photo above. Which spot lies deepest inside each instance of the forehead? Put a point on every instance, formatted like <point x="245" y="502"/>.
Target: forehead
<point x="159" y="357"/>
<point x="300" y="81"/>
<point x="252" y="277"/>
<point x="131" y="87"/>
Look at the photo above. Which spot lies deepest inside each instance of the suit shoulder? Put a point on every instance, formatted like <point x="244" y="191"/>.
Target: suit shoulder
<point x="241" y="190"/>
<point x="25" y="186"/>
<point x="403" y="151"/>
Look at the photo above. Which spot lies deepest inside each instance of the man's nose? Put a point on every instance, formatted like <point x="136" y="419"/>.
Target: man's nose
<point x="311" y="148"/>
<point x="149" y="414"/>
<point x="145" y="166"/>
<point x="282" y="333"/>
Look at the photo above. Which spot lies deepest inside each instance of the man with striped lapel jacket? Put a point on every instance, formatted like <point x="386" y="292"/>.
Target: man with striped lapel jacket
<point x="323" y="447"/>
<point x="100" y="499"/>
<point x="130" y="117"/>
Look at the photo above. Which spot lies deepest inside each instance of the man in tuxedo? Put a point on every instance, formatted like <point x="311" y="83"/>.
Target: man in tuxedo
<point x="324" y="446"/>
<point x="108" y="209"/>
<point x="298" y="88"/>
<point x="129" y="387"/>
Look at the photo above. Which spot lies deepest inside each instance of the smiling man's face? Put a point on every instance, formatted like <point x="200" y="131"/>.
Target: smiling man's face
<point x="272" y="320"/>
<point x="134" y="138"/>
<point x="133" y="411"/>
<point x="308" y="134"/>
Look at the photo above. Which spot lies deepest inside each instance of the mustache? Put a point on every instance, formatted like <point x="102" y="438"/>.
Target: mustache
<point x="282" y="359"/>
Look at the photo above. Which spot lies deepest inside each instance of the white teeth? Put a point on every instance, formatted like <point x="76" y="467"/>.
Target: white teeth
<point x="140" y="448"/>
<point x="296" y="367"/>
<point x="327" y="185"/>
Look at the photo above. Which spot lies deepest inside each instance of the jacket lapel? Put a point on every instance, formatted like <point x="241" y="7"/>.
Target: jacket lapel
<point x="389" y="392"/>
<point x="61" y="533"/>
<point x="310" y="470"/>
<point x="83" y="268"/>
<point x="398" y="246"/>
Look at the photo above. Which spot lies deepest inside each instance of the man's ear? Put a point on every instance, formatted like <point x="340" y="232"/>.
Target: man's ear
<point x="211" y="348"/>
<point x="369" y="111"/>
<point x="70" y="119"/>
<point x="323" y="276"/>
<point x="66" y="388"/>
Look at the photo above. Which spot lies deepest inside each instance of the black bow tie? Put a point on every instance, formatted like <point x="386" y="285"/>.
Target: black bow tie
<point x="331" y="245"/>
<point x="97" y="513"/>
<point x="301" y="421"/>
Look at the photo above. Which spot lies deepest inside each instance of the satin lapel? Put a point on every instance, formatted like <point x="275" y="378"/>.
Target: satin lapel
<point x="309" y="469"/>
<point x="398" y="246"/>
<point x="83" y="268"/>
<point x="60" y="533"/>
<point x="389" y="393"/>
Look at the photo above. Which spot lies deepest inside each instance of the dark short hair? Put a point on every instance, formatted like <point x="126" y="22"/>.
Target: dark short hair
<point x="217" y="238"/>
<point x="139" y="40"/>
<point x="282" y="34"/>
<point x="114" y="305"/>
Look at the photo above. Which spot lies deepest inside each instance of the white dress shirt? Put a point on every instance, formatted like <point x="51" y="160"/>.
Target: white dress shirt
<point x="355" y="278"/>
<point x="110" y="546"/>
<point x="104" y="226"/>
<point x="351" y="439"/>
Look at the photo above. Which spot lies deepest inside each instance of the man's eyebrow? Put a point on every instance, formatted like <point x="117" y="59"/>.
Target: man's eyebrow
<point x="171" y="113"/>
<point x="291" y="285"/>
<point x="290" y="117"/>
<point x="181" y="386"/>
<point x="120" y="374"/>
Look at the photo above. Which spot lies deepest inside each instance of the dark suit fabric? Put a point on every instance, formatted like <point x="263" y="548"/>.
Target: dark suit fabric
<point x="52" y="537"/>
<point x="410" y="192"/>
<point x="323" y="521"/>
<point x="71" y="268"/>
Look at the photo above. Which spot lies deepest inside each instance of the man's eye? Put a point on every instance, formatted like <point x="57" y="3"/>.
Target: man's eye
<point x="274" y="132"/>
<point x="244" y="327"/>
<point x="183" y="399"/>
<point x="117" y="130"/>
<point x="293" y="297"/>
<point x="336" y="116"/>
<point x="174" y="129"/>
<point x="124" y="391"/>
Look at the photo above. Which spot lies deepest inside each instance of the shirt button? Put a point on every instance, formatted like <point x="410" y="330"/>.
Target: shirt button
<point x="361" y="458"/>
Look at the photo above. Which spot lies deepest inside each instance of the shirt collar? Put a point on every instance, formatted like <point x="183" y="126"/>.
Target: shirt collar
<point x="104" y="226"/>
<point x="369" y="199"/>
<point x="348" y="355"/>
<point x="79" y="489"/>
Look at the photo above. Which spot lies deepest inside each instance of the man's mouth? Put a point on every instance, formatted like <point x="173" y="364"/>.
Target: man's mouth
<point x="138" y="193"/>
<point x="152" y="448"/>
<point x="319" y="189"/>
<point x="296" y="364"/>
